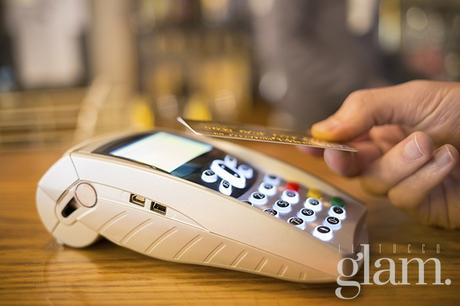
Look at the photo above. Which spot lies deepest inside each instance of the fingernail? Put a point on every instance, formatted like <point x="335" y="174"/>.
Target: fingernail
<point x="325" y="126"/>
<point x="443" y="158"/>
<point x="412" y="149"/>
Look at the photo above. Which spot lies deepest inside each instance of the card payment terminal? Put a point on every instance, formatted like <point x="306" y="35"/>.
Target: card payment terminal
<point x="201" y="201"/>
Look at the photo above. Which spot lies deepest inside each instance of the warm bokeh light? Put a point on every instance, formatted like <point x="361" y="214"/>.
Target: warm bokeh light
<point x="73" y="69"/>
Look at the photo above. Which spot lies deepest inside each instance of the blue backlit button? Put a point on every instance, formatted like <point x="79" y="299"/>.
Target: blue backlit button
<point x="271" y="211"/>
<point x="307" y="214"/>
<point x="297" y="222"/>
<point x="272" y="179"/>
<point x="338" y="212"/>
<point x="322" y="232"/>
<point x="290" y="196"/>
<point x="228" y="173"/>
<point x="313" y="204"/>
<point x="333" y="223"/>
<point x="209" y="176"/>
<point x="282" y="206"/>
<point x="267" y="189"/>
<point x="230" y="161"/>
<point x="246" y="171"/>
<point x="225" y="187"/>
<point x="258" y="198"/>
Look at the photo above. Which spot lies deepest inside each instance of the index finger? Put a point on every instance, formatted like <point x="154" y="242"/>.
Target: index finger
<point x="363" y="109"/>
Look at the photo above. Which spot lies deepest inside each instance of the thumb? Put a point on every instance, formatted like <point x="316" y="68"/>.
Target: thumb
<point x="364" y="109"/>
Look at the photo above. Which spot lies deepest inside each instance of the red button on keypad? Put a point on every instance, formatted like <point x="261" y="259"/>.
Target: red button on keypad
<point x="292" y="186"/>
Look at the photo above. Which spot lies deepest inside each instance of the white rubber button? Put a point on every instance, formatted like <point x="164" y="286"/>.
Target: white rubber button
<point x="258" y="198"/>
<point x="307" y="214"/>
<point x="323" y="233"/>
<point x="272" y="179"/>
<point x="338" y="212"/>
<point x="272" y="212"/>
<point x="225" y="187"/>
<point x="298" y="222"/>
<point x="313" y="204"/>
<point x="247" y="171"/>
<point x="332" y="222"/>
<point x="267" y="189"/>
<point x="230" y="161"/>
<point x="290" y="196"/>
<point x="228" y="173"/>
<point x="86" y="195"/>
<point x="209" y="176"/>
<point x="282" y="206"/>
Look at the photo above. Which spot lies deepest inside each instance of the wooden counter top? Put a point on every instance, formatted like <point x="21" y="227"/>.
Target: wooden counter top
<point x="36" y="270"/>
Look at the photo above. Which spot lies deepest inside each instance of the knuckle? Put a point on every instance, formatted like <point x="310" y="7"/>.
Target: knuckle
<point x="417" y="85"/>
<point x="357" y="98"/>
<point x="424" y="142"/>
<point x="362" y="101"/>
<point x="397" y="200"/>
<point x="405" y="200"/>
<point x="373" y="185"/>
<point x="454" y="154"/>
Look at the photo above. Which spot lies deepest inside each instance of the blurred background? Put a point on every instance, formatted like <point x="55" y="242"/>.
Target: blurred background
<point x="72" y="69"/>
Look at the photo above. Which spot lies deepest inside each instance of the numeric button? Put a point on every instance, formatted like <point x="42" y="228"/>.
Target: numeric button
<point x="282" y="206"/>
<point x="338" y="212"/>
<point x="246" y="171"/>
<point x="313" y="204"/>
<point x="307" y="214"/>
<point x="333" y="223"/>
<point x="258" y="198"/>
<point x="271" y="211"/>
<point x="230" y="161"/>
<point x="290" y="196"/>
<point x="209" y="176"/>
<point x="297" y="222"/>
<point x="323" y="232"/>
<point x="225" y="187"/>
<point x="272" y="179"/>
<point x="267" y="189"/>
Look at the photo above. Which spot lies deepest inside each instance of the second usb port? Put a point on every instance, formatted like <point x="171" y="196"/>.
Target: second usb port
<point x="158" y="208"/>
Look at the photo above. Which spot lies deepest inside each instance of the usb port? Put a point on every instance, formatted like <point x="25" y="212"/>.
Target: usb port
<point x="158" y="208"/>
<point x="137" y="199"/>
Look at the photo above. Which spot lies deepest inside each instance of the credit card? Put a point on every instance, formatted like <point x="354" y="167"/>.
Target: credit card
<point x="259" y="133"/>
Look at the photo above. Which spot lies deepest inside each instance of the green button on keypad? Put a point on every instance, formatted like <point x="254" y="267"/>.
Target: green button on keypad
<point x="337" y="201"/>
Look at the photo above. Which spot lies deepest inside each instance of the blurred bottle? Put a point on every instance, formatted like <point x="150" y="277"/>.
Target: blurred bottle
<point x="48" y="41"/>
<point x="195" y="60"/>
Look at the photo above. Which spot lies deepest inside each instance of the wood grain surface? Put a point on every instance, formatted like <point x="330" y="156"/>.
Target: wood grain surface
<point x="34" y="269"/>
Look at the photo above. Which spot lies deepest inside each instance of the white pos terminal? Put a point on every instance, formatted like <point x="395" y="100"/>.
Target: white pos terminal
<point x="201" y="201"/>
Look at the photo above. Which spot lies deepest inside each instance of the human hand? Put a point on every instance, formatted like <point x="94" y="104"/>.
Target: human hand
<point x="408" y="137"/>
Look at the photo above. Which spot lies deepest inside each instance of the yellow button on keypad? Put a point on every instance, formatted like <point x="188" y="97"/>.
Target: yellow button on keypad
<point x="313" y="193"/>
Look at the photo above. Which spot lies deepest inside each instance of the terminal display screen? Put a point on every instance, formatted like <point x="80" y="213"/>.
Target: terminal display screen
<point x="162" y="150"/>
